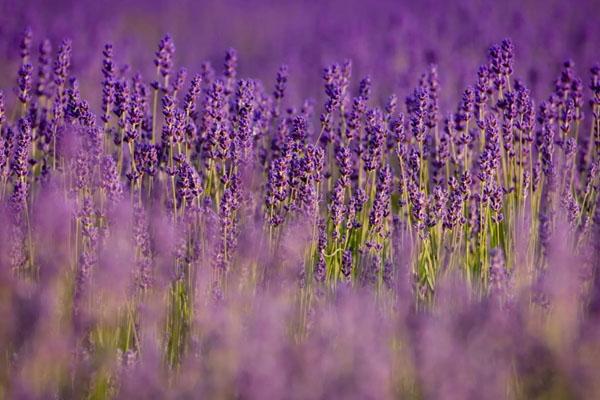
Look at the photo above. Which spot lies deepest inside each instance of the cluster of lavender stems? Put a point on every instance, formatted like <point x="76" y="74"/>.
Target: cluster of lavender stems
<point x="179" y="196"/>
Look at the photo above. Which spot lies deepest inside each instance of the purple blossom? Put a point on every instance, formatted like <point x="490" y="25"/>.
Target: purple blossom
<point x="381" y="204"/>
<point x="230" y="70"/>
<point x="391" y="105"/>
<point x="189" y="184"/>
<point x="179" y="81"/>
<point x="192" y="96"/>
<point x="490" y="157"/>
<point x="25" y="82"/>
<point x="164" y="59"/>
<point x="135" y="109"/>
<point x="436" y="210"/>
<point x="111" y="183"/>
<point x="146" y="158"/>
<point x="482" y="92"/>
<point x="337" y="207"/>
<point x="20" y="161"/>
<point x="343" y="158"/>
<point x="2" y="110"/>
<point x="25" y="44"/>
<point x="62" y="64"/>
<point x="280" y="87"/>
<point x="418" y="110"/>
<point x="214" y="121"/>
<point x="228" y="225"/>
<point x="271" y="245"/>
<point x="347" y="264"/>
<point x="108" y="83"/>
<point x="375" y="139"/>
<point x="454" y="211"/>
<point x="244" y="108"/>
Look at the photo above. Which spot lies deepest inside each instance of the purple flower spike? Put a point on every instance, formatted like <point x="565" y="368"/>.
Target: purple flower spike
<point x="25" y="83"/>
<point x="164" y="60"/>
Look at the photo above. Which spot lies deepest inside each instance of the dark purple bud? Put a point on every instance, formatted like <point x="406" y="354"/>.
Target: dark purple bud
<point x="571" y="208"/>
<point x="179" y="81"/>
<point x="376" y="138"/>
<point x="364" y="91"/>
<point x="454" y="211"/>
<point x="482" y="92"/>
<point x="230" y="70"/>
<point x="381" y="205"/>
<point x="398" y="132"/>
<point x="25" y="45"/>
<point x="418" y="203"/>
<point x="281" y="83"/>
<point x="82" y="170"/>
<point x="333" y="87"/>
<point x="207" y="73"/>
<point x="62" y="63"/>
<point x="43" y="85"/>
<point x="343" y="158"/>
<point x="245" y="102"/>
<point x="391" y="105"/>
<point x="213" y="119"/>
<point x="562" y="85"/>
<point x="507" y="50"/>
<point x="135" y="109"/>
<point x="25" y="83"/>
<point x="164" y="56"/>
<point x="465" y="110"/>
<point x="320" y="269"/>
<point x="490" y="157"/>
<point x="526" y="111"/>
<point x="20" y="160"/>
<point x="278" y="181"/>
<point x="299" y="129"/>
<point x="360" y="199"/>
<point x="547" y="147"/>
<point x="414" y="163"/>
<point x="146" y="158"/>
<point x="495" y="195"/>
<point x="566" y="116"/>
<point x="509" y="107"/>
<point x="111" y="183"/>
<point x="436" y="207"/>
<point x="337" y="208"/>
<point x="496" y="66"/>
<point x="347" y="264"/>
<point x="108" y="83"/>
<point x="322" y="235"/>
<point x="433" y="97"/>
<point x="359" y="108"/>
<point x="189" y="184"/>
<point x="192" y="96"/>
<point x="121" y="102"/>
<point x="228" y="224"/>
<point x="418" y="113"/>
<point x="169" y="111"/>
<point x="2" y="111"/>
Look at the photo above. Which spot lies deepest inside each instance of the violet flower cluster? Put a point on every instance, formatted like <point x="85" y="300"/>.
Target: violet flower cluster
<point x="196" y="233"/>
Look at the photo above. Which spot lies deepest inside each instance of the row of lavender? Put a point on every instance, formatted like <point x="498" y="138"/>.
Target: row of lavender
<point x="393" y="42"/>
<point x="208" y="238"/>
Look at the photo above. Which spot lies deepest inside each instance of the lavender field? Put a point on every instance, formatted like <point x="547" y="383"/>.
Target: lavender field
<point x="299" y="200"/>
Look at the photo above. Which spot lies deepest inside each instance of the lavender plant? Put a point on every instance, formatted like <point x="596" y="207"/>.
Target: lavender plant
<point x="225" y="238"/>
